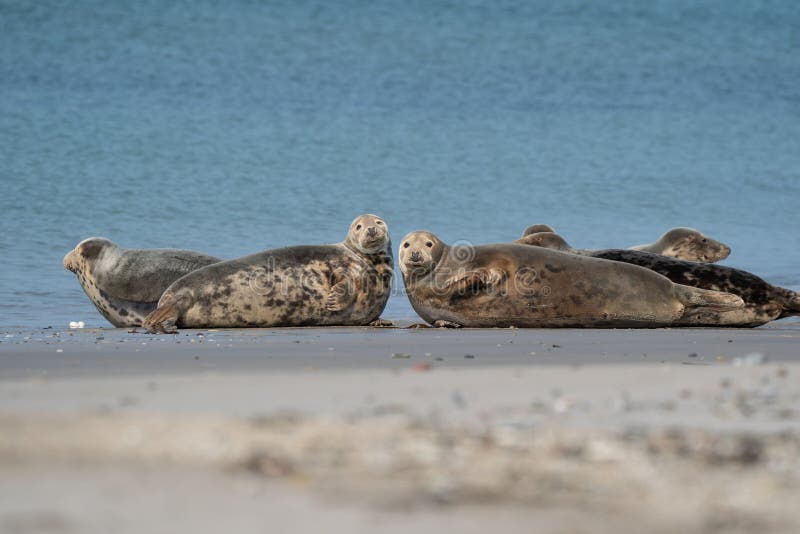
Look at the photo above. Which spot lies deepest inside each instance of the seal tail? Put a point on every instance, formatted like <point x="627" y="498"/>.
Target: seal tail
<point x="693" y="297"/>
<point x="163" y="318"/>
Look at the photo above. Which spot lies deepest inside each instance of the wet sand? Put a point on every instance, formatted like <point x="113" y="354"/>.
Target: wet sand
<point x="383" y="430"/>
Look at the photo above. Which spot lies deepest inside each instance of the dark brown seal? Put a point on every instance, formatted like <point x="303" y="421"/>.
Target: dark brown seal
<point x="125" y="284"/>
<point x="764" y="302"/>
<point x="347" y="283"/>
<point x="505" y="285"/>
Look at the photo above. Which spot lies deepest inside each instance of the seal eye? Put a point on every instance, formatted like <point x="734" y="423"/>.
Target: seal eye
<point x="704" y="241"/>
<point x="358" y="227"/>
<point x="429" y="244"/>
<point x="378" y="222"/>
<point x="406" y="245"/>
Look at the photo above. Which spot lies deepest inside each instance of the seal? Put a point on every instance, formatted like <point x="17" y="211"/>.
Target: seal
<point x="538" y="228"/>
<point x="680" y="243"/>
<point x="508" y="284"/>
<point x="763" y="301"/>
<point x="687" y="244"/>
<point x="347" y="283"/>
<point x="125" y="284"/>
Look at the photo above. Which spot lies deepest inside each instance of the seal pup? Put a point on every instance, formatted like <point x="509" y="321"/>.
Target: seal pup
<point x="763" y="301"/>
<point x="125" y="284"/>
<point x="507" y="284"/>
<point x="681" y="243"/>
<point x="687" y="244"/>
<point x="347" y="283"/>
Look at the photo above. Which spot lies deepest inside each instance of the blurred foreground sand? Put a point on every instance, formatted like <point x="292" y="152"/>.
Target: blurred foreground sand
<point x="387" y="431"/>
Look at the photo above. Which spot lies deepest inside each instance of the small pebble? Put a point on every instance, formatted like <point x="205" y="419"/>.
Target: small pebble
<point x="469" y="356"/>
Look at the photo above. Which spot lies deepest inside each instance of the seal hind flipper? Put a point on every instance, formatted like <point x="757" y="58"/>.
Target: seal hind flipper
<point x="693" y="297"/>
<point x="163" y="319"/>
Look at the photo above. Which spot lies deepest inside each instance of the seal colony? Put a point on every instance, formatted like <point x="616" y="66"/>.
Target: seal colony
<point x="125" y="284"/>
<point x="347" y="283"/>
<point x="680" y="243"/>
<point x="516" y="285"/>
<point x="537" y="281"/>
<point x="763" y="301"/>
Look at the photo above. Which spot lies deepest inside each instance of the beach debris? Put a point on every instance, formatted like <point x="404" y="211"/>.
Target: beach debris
<point x="400" y="355"/>
<point x="59" y="350"/>
<point x="750" y="360"/>
<point x="76" y="324"/>
<point x="693" y="355"/>
<point x="421" y="367"/>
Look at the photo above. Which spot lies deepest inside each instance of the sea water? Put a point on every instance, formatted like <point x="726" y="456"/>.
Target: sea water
<point x="238" y="126"/>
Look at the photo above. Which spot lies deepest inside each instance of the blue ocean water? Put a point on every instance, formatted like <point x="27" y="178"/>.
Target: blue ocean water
<point x="234" y="127"/>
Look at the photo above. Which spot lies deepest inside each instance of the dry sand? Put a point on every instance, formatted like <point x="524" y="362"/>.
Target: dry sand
<point x="362" y="430"/>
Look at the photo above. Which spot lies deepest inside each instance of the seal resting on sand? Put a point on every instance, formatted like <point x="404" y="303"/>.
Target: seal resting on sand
<point x="763" y="301"/>
<point x="347" y="283"/>
<point x="680" y="243"/>
<point x="505" y="284"/>
<point x="125" y="284"/>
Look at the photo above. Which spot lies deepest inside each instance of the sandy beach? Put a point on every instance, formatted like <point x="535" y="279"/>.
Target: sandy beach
<point x="386" y="430"/>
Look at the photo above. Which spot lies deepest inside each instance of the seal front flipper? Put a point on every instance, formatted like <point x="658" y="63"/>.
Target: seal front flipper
<point x="342" y="292"/>
<point x="164" y="319"/>
<point x="475" y="280"/>
<point x="379" y="323"/>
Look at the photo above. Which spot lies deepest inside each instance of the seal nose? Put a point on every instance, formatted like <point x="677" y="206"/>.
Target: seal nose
<point x="67" y="261"/>
<point x="416" y="256"/>
<point x="372" y="231"/>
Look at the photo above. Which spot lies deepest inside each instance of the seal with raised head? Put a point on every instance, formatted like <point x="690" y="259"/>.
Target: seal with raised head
<point x="508" y="284"/>
<point x="125" y="284"/>
<point x="347" y="283"/>
<point x="680" y="243"/>
<point x="763" y="301"/>
<point x="687" y="244"/>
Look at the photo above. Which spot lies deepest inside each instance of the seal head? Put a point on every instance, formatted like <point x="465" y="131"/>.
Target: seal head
<point x="537" y="228"/>
<point x="367" y="235"/>
<point x="420" y="253"/>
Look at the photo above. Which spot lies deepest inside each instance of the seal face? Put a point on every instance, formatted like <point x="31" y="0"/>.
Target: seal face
<point x="687" y="244"/>
<point x="763" y="301"/>
<point x="125" y="284"/>
<point x="347" y="283"/>
<point x="504" y="285"/>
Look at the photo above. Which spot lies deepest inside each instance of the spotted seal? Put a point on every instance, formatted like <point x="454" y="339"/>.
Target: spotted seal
<point x="125" y="284"/>
<point x="508" y="284"/>
<point x="681" y="243"/>
<point x="687" y="244"/>
<point x="347" y="283"/>
<point x="763" y="301"/>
